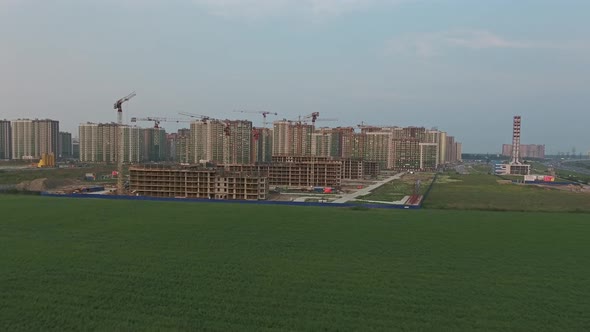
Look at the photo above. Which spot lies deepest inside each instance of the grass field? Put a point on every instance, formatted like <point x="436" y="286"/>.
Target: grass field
<point x="483" y="192"/>
<point x="54" y="174"/>
<point x="398" y="189"/>
<point x="123" y="265"/>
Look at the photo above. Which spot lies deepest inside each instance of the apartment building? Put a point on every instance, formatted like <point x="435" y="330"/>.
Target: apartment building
<point x="526" y="150"/>
<point x="227" y="141"/>
<point x="5" y="140"/>
<point x="240" y="141"/>
<point x="262" y="143"/>
<point x="292" y="138"/>
<point x="64" y="145"/>
<point x="377" y="147"/>
<point x="207" y="140"/>
<point x="98" y="143"/>
<point x="132" y="147"/>
<point x="31" y="139"/>
<point x="153" y="144"/>
<point x="327" y="142"/>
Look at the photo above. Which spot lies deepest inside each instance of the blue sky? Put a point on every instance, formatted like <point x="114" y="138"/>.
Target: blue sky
<point x="464" y="66"/>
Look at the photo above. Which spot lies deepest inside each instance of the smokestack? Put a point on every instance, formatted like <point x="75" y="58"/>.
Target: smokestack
<point x="516" y="140"/>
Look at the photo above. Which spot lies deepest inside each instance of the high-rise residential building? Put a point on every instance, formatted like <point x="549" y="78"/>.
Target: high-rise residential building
<point x="377" y="147"/>
<point x="33" y="138"/>
<point x="429" y="157"/>
<point x="405" y="154"/>
<point x="282" y="138"/>
<point x="109" y="138"/>
<point x="207" y="140"/>
<point x="347" y="141"/>
<point x="64" y="145"/>
<point x="5" y="140"/>
<point x="132" y="138"/>
<point x="22" y="139"/>
<point x="182" y="152"/>
<point x="292" y="138"/>
<point x="154" y="144"/>
<point x="222" y="142"/>
<point x="262" y="145"/>
<point x="451" y="150"/>
<point x="459" y="149"/>
<point x="240" y="141"/>
<point x="526" y="150"/>
<point x="99" y="143"/>
<point x="327" y="142"/>
<point x="442" y="148"/>
<point x="90" y="142"/>
<point x="76" y="148"/>
<point x="46" y="137"/>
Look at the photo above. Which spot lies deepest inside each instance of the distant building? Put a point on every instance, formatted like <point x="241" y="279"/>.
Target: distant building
<point x="64" y="145"/>
<point x="32" y="138"/>
<point x="5" y="140"/>
<point x="526" y="150"/>
<point x="153" y="144"/>
<point x="99" y="143"/>
<point x="262" y="142"/>
<point x="76" y="148"/>
<point x="292" y="138"/>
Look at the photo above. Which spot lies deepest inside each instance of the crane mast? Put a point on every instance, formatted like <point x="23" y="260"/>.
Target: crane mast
<point x="120" y="153"/>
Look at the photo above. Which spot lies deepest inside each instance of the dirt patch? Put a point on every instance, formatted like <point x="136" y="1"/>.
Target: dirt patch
<point x="35" y="185"/>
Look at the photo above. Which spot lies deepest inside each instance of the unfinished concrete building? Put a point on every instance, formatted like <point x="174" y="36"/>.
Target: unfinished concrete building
<point x="196" y="182"/>
<point x="354" y="168"/>
<point x="295" y="171"/>
<point x="305" y="171"/>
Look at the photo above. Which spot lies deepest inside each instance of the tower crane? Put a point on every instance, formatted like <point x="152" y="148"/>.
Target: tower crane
<point x="158" y="120"/>
<point x="264" y="114"/>
<point x="313" y="117"/>
<point x="193" y="115"/>
<point x="119" y="107"/>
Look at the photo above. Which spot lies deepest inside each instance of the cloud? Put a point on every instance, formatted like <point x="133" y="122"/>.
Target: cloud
<point x="436" y="43"/>
<point x="263" y="8"/>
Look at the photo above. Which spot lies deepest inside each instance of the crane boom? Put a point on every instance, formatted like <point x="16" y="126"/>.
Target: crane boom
<point x="158" y="120"/>
<point x="264" y="114"/>
<point x="193" y="115"/>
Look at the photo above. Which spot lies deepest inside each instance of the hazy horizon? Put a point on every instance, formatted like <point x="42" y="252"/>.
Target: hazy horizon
<point x="465" y="67"/>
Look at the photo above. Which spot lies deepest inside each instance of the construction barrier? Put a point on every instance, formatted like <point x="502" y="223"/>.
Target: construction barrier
<point x="428" y="190"/>
<point x="200" y="200"/>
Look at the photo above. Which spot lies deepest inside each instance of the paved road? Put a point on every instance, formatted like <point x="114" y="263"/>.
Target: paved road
<point x="367" y="190"/>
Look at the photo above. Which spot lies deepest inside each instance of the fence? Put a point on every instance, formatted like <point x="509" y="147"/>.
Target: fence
<point x="427" y="192"/>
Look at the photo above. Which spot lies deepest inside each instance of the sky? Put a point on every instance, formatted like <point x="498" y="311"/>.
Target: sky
<point x="463" y="66"/>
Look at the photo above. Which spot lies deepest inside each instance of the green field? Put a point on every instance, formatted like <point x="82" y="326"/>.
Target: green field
<point x="122" y="265"/>
<point x="54" y="175"/>
<point x="398" y="189"/>
<point x="483" y="192"/>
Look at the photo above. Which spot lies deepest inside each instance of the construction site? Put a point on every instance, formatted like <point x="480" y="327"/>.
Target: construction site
<point x="232" y="159"/>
